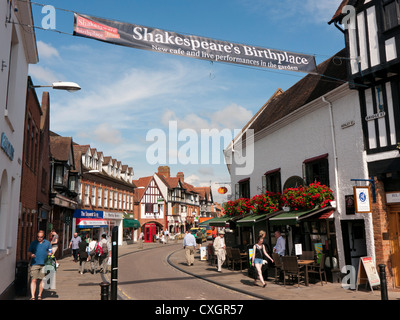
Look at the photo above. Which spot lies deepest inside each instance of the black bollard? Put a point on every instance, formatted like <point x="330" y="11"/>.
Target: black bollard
<point x="114" y="264"/>
<point x="382" y="275"/>
<point x="104" y="290"/>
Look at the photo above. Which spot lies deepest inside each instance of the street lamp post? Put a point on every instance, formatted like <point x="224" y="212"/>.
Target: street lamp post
<point x="61" y="85"/>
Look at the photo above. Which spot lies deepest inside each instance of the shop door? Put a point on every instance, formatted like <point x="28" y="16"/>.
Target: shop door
<point x="354" y="242"/>
<point x="394" y="230"/>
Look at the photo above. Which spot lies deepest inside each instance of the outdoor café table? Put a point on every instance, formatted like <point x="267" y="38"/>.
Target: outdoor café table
<point x="305" y="263"/>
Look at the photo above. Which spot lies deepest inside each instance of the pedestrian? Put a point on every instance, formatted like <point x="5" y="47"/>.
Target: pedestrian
<point x="189" y="244"/>
<point x="38" y="252"/>
<point x="199" y="238"/>
<point x="83" y="256"/>
<point x="280" y="244"/>
<point x="141" y="238"/>
<point x="74" y="245"/>
<point x="220" y="249"/>
<point x="92" y="255"/>
<point x="103" y="258"/>
<point x="54" y="244"/>
<point x="258" y="258"/>
<point x="166" y="233"/>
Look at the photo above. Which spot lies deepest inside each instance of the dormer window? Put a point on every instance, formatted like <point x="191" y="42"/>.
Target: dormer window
<point x="391" y="13"/>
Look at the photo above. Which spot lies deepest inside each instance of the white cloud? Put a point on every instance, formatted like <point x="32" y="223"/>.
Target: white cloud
<point x="46" y="50"/>
<point x="43" y="74"/>
<point x="309" y="11"/>
<point x="231" y="117"/>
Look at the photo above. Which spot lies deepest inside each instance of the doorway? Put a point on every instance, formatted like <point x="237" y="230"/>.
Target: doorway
<point x="394" y="232"/>
<point x="354" y="242"/>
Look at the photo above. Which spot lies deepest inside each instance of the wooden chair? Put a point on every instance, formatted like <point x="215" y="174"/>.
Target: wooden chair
<point x="319" y="268"/>
<point x="278" y="266"/>
<point x="228" y="258"/>
<point x="307" y="255"/>
<point x="291" y="268"/>
<point x="237" y="258"/>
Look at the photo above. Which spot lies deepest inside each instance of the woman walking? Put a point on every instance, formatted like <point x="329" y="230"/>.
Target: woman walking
<point x="257" y="259"/>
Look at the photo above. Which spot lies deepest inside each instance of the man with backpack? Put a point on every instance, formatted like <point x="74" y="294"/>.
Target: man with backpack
<point x="104" y="251"/>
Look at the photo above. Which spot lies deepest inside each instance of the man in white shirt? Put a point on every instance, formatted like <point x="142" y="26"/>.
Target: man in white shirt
<point x="219" y="246"/>
<point x="280" y="244"/>
<point x="189" y="244"/>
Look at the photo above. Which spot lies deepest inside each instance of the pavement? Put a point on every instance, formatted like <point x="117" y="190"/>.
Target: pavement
<point x="71" y="285"/>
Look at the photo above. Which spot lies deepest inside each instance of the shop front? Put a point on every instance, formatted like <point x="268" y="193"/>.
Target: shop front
<point x="130" y="227"/>
<point x="88" y="223"/>
<point x="308" y="230"/>
<point x="114" y="219"/>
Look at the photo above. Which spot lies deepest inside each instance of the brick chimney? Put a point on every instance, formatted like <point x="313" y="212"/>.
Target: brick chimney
<point x="164" y="170"/>
<point x="181" y="176"/>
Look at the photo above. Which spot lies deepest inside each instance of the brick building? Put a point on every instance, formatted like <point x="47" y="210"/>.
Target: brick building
<point x="34" y="195"/>
<point x="105" y="194"/>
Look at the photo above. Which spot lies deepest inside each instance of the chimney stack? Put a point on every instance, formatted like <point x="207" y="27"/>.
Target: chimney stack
<point x="181" y="176"/>
<point x="164" y="170"/>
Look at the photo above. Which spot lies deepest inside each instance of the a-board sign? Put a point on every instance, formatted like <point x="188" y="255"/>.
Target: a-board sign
<point x="367" y="273"/>
<point x="362" y="199"/>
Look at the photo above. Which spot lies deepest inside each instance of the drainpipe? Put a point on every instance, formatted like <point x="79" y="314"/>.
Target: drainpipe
<point x="335" y="163"/>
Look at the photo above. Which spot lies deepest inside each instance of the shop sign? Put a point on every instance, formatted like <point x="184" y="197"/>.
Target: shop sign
<point x="91" y="214"/>
<point x="393" y="197"/>
<point x="7" y="147"/>
<point x="362" y="197"/>
<point x="113" y="215"/>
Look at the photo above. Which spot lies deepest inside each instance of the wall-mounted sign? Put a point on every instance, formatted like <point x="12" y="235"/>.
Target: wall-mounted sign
<point x="362" y="197"/>
<point x="393" y="197"/>
<point x="153" y="39"/>
<point x="7" y="147"/>
<point x="348" y="124"/>
<point x="375" y="116"/>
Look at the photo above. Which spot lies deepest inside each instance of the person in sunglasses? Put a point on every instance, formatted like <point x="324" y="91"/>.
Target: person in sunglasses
<point x="38" y="252"/>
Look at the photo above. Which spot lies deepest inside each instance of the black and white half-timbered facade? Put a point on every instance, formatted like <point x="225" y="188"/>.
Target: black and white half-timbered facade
<point x="372" y="37"/>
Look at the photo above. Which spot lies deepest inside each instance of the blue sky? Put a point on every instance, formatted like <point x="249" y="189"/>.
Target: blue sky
<point x="127" y="92"/>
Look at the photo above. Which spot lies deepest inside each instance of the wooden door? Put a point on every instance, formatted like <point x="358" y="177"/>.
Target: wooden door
<point x="394" y="230"/>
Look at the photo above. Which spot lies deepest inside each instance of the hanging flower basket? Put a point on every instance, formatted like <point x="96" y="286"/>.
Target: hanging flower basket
<point x="237" y="207"/>
<point x="308" y="197"/>
<point x="266" y="203"/>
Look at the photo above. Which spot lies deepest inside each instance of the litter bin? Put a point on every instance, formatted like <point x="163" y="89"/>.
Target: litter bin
<point x="21" y="278"/>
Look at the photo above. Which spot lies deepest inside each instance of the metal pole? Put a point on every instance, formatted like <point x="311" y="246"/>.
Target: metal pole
<point x="114" y="264"/>
<point x="382" y="274"/>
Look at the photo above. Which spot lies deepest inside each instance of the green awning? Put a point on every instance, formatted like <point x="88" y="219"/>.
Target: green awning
<point x="206" y="223"/>
<point x="288" y="218"/>
<point x="131" y="223"/>
<point x="220" y="221"/>
<point x="294" y="217"/>
<point x="252" y="219"/>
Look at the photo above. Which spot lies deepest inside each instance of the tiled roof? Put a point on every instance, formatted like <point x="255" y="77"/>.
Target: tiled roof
<point x="309" y="88"/>
<point x="60" y="147"/>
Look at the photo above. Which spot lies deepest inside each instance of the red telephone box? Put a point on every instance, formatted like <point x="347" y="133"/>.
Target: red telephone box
<point x="149" y="232"/>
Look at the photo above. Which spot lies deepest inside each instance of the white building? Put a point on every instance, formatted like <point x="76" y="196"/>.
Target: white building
<point x="311" y="132"/>
<point x="17" y="51"/>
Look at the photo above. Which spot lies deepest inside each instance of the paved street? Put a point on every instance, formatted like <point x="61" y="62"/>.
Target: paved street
<point x="158" y="272"/>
